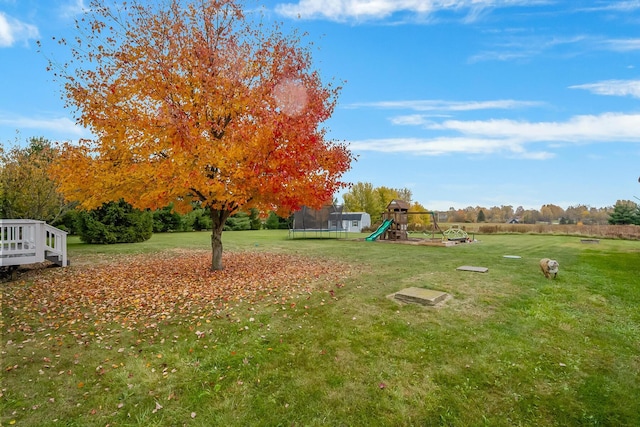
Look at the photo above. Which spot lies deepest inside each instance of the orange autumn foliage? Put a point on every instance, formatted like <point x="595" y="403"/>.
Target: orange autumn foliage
<point x="193" y="103"/>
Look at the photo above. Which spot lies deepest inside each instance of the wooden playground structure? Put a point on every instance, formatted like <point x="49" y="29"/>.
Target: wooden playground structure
<point x="394" y="228"/>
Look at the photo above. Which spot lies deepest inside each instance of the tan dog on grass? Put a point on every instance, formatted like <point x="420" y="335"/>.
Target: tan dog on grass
<point x="549" y="267"/>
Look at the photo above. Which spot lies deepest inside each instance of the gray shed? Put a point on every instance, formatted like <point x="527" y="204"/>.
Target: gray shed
<point x="350" y="221"/>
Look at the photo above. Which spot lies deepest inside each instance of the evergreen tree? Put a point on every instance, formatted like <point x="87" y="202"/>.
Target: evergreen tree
<point x="166" y="219"/>
<point x="624" y="213"/>
<point x="275" y="222"/>
<point x="254" y="218"/>
<point x="115" y="222"/>
<point x="237" y="222"/>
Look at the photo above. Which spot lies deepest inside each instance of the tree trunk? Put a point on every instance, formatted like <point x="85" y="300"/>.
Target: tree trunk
<point x="218" y="218"/>
<point x="216" y="249"/>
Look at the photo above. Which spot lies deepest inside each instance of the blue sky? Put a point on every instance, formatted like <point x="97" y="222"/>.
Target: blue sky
<point x="464" y="102"/>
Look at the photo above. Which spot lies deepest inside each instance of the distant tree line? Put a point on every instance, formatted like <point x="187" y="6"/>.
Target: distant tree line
<point x="550" y="213"/>
<point x="26" y="191"/>
<point x="364" y="197"/>
<point x="624" y="212"/>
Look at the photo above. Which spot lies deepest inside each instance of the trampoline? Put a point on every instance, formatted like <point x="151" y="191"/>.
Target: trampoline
<point x="319" y="223"/>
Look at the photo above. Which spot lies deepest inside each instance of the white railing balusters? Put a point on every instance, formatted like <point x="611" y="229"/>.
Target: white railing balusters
<point x="25" y="241"/>
<point x="56" y="243"/>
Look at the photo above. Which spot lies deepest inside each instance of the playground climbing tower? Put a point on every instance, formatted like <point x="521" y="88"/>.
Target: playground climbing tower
<point x="397" y="211"/>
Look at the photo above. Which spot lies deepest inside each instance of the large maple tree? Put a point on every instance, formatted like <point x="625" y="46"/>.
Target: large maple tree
<point x="195" y="103"/>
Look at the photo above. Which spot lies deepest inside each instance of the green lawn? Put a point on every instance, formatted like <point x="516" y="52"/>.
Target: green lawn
<point x="323" y="344"/>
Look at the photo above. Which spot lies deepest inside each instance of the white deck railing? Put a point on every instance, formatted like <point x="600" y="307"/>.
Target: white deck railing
<point x="26" y="241"/>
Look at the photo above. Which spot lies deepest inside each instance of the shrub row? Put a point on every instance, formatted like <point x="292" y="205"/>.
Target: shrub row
<point x="119" y="222"/>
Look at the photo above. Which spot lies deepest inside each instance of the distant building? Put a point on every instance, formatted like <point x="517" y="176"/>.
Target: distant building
<point x="513" y="221"/>
<point x="349" y="221"/>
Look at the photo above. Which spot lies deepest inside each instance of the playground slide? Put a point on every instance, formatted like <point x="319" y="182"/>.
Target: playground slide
<point x="383" y="227"/>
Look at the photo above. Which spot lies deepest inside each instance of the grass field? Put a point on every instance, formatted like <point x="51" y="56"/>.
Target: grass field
<point x="302" y="333"/>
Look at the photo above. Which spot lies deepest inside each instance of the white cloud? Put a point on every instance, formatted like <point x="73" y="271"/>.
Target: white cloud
<point x="59" y="125"/>
<point x="432" y="147"/>
<point x="501" y="56"/>
<point x="340" y="10"/>
<point x="622" y="45"/>
<point x="13" y="31"/>
<point x="527" y="47"/>
<point x="73" y="8"/>
<point x="448" y="145"/>
<point x="410" y="120"/>
<point x="440" y="105"/>
<point x="579" y="129"/>
<point x="612" y="87"/>
<point x="536" y="155"/>
<point x="622" y="6"/>
<point x="510" y="137"/>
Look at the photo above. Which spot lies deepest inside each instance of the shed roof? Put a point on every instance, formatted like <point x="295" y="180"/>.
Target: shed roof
<point x="349" y="216"/>
<point x="398" y="205"/>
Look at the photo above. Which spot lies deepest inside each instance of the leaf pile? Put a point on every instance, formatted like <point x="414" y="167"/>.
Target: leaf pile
<point x="146" y="289"/>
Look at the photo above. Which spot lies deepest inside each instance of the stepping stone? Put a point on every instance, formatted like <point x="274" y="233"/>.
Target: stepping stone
<point x="474" y="269"/>
<point x="420" y="296"/>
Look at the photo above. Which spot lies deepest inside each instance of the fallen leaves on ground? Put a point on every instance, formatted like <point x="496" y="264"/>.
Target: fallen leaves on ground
<point x="142" y="290"/>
